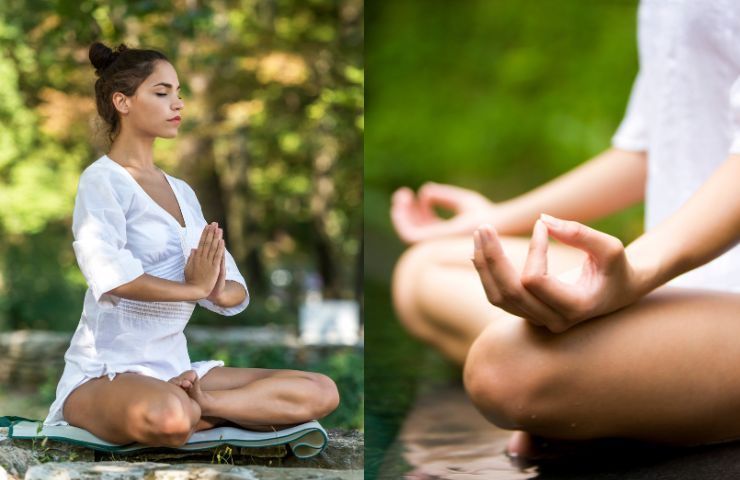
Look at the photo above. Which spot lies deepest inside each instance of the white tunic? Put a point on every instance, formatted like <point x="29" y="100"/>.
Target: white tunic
<point x="120" y="233"/>
<point x="684" y="111"/>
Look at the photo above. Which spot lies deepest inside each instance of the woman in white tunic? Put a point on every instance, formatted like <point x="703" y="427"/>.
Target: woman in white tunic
<point x="149" y="257"/>
<point x="603" y="349"/>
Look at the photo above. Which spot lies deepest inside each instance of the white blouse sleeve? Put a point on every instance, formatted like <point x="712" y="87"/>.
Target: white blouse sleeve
<point x="735" y="117"/>
<point x="232" y="271"/>
<point x="632" y="133"/>
<point x="99" y="230"/>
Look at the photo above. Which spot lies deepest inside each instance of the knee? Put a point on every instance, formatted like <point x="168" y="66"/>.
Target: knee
<point x="507" y="375"/>
<point x="404" y="283"/>
<point x="170" y="420"/>
<point x="326" y="397"/>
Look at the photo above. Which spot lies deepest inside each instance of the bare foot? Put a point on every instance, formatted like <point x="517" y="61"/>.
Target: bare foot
<point x="520" y="445"/>
<point x="204" y="399"/>
<point x="185" y="379"/>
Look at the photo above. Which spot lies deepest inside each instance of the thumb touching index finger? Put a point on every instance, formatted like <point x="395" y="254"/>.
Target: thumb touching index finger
<point x="602" y="246"/>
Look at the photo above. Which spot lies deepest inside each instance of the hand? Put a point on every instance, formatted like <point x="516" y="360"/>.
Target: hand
<point x="606" y="282"/>
<point x="203" y="265"/>
<point x="415" y="218"/>
<point x="218" y="289"/>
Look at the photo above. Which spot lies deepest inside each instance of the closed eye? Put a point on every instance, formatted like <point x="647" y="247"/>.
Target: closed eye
<point x="164" y="95"/>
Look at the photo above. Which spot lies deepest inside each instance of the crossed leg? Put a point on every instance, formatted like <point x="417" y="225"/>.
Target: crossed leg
<point x="661" y="370"/>
<point x="137" y="408"/>
<point x="257" y="398"/>
<point x="439" y="298"/>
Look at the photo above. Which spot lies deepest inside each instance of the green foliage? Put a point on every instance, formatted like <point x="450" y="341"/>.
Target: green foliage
<point x="271" y="139"/>
<point x="512" y="95"/>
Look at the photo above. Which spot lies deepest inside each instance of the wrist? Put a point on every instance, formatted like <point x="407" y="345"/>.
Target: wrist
<point x="194" y="292"/>
<point x="509" y="219"/>
<point x="647" y="268"/>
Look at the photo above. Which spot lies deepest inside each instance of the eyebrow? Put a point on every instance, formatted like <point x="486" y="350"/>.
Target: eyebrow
<point x="168" y="85"/>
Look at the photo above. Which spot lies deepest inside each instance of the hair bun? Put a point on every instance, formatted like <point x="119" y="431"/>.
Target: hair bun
<point x="102" y="57"/>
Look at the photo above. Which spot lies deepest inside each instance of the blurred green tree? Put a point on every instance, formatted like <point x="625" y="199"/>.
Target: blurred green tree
<point x="271" y="139"/>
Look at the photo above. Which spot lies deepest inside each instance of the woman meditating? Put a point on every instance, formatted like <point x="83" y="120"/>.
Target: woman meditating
<point x="149" y="256"/>
<point x="586" y="338"/>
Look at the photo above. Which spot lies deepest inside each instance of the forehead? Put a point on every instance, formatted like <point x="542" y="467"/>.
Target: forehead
<point x="163" y="72"/>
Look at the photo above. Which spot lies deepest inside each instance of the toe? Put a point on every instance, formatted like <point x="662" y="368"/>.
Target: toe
<point x="520" y="445"/>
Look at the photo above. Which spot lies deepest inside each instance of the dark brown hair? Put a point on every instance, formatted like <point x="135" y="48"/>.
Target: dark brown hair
<point x="121" y="70"/>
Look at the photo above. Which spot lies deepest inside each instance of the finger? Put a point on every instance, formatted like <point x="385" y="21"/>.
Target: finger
<point x="403" y="194"/>
<point x="219" y="253"/>
<point x="564" y="298"/>
<point x="443" y="195"/>
<point x="204" y="236"/>
<point x="401" y="207"/>
<point x="489" y="283"/>
<point x="437" y="194"/>
<point x="603" y="247"/>
<point x="536" y="262"/>
<point x="514" y="298"/>
<point x="217" y="236"/>
<point x="208" y="241"/>
<point x="497" y="272"/>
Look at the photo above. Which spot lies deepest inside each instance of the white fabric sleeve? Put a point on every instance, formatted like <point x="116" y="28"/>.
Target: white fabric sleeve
<point x="632" y="133"/>
<point x="232" y="271"/>
<point x="99" y="230"/>
<point x="735" y="117"/>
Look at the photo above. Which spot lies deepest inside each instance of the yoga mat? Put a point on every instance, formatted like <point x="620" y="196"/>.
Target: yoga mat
<point x="306" y="440"/>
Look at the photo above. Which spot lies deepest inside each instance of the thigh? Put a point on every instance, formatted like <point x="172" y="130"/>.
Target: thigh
<point x="229" y="378"/>
<point x="663" y="369"/>
<point x="116" y="410"/>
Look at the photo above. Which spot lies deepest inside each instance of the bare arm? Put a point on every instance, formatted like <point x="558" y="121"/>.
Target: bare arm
<point x="612" y="277"/>
<point x="232" y="295"/>
<point x="154" y="289"/>
<point x="706" y="226"/>
<point x="202" y="271"/>
<point x="607" y="183"/>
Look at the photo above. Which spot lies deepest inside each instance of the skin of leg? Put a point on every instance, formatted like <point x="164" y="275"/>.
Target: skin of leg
<point x="438" y="296"/>
<point x="254" y="397"/>
<point x="663" y="370"/>
<point x="133" y="408"/>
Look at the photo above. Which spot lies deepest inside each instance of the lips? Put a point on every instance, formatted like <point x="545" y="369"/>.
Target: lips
<point x="174" y="119"/>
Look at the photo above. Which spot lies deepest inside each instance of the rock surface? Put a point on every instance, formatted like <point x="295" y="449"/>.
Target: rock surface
<point x="192" y="471"/>
<point x="345" y="452"/>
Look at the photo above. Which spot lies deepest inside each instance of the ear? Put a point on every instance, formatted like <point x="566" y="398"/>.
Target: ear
<point x="120" y="102"/>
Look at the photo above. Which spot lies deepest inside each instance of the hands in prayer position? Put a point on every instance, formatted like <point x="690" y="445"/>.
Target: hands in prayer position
<point x="205" y="267"/>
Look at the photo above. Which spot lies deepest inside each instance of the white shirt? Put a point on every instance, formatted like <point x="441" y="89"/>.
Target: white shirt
<point x="120" y="233"/>
<point x="684" y="111"/>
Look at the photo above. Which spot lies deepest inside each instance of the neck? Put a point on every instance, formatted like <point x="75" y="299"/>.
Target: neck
<point x="131" y="150"/>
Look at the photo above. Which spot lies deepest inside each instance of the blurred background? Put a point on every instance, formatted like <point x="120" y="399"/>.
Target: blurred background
<point x="272" y="145"/>
<point x="497" y="96"/>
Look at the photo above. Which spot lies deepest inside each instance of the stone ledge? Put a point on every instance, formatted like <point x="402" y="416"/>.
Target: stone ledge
<point x="192" y="471"/>
<point x="345" y="452"/>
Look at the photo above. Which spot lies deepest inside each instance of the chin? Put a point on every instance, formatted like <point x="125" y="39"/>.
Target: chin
<point x="168" y="134"/>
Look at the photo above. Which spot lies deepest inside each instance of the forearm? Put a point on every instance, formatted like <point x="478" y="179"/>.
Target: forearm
<point x="702" y="229"/>
<point x="232" y="295"/>
<point x="154" y="289"/>
<point x="607" y="183"/>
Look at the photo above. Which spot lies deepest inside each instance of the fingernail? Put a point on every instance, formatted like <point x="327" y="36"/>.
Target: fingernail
<point x="476" y="239"/>
<point x="551" y="221"/>
<point x="486" y="234"/>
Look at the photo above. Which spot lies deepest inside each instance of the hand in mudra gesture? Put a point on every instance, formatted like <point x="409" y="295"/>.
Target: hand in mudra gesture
<point x="415" y="219"/>
<point x="204" y="266"/>
<point x="605" y="282"/>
